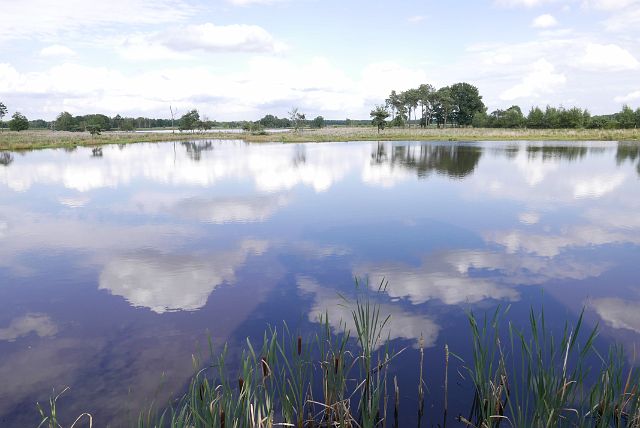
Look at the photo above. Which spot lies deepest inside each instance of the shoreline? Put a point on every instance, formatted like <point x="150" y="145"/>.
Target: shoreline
<point x="43" y="139"/>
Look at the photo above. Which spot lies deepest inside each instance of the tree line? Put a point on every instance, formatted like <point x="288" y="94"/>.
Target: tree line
<point x="461" y="105"/>
<point x="557" y="118"/>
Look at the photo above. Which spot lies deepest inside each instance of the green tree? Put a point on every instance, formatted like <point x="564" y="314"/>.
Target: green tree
<point x="318" y="122"/>
<point x="379" y="117"/>
<point x="571" y="118"/>
<point x="3" y="112"/>
<point x="65" y="122"/>
<point x="189" y="121"/>
<point x="551" y="118"/>
<point x="535" y="119"/>
<point x="297" y="119"/>
<point x="425" y="98"/>
<point x="626" y="118"/>
<point x="637" y="115"/>
<point x="468" y="100"/>
<point x="480" y="120"/>
<point x="443" y="105"/>
<point x="411" y="98"/>
<point x="18" y="122"/>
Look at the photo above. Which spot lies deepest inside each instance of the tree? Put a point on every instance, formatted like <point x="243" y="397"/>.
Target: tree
<point x="379" y="117"/>
<point x="443" y="105"/>
<point x="468" y="101"/>
<point x="318" y="122"/>
<point x="626" y="117"/>
<point x="65" y="122"/>
<point x="3" y="112"/>
<point x="189" y="121"/>
<point x="297" y="119"/>
<point x="18" y="122"/>
<point x="425" y="98"/>
<point x="535" y="119"/>
<point x="411" y="98"/>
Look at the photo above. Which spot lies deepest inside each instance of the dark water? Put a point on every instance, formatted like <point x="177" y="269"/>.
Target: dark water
<point x="116" y="266"/>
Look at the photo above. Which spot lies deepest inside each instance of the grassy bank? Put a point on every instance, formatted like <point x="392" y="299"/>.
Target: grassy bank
<point x="536" y="377"/>
<point x="27" y="140"/>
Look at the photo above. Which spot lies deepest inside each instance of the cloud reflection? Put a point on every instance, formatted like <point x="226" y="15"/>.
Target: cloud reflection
<point x="165" y="283"/>
<point x="403" y="324"/>
<point x="39" y="324"/>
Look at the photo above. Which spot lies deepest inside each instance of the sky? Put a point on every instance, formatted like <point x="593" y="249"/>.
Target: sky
<point x="242" y="59"/>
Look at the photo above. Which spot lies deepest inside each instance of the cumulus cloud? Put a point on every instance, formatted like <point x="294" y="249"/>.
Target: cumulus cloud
<point x="180" y="42"/>
<point x="544" y="21"/>
<point x="608" y="57"/>
<point x="51" y="18"/>
<point x="543" y="78"/>
<point x="631" y="96"/>
<point x="40" y="324"/>
<point x="57" y="51"/>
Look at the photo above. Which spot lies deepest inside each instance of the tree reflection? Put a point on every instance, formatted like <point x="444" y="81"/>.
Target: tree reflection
<point x="456" y="161"/>
<point x="628" y="152"/>
<point x="5" y="158"/>
<point x="300" y="155"/>
<point x="195" y="149"/>
<point x="547" y="153"/>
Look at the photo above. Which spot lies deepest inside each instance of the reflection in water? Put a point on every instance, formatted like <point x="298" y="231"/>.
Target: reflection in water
<point x="402" y="325"/>
<point x="618" y="313"/>
<point x="454" y="160"/>
<point x="630" y="152"/>
<point x="165" y="283"/>
<point x="554" y="152"/>
<point x="39" y="324"/>
<point x="5" y="158"/>
<point x="195" y="149"/>
<point x="161" y="248"/>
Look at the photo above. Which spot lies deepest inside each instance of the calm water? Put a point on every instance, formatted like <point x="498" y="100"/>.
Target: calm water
<point x="116" y="266"/>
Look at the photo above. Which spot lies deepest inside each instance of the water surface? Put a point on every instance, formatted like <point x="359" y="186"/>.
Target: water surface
<point x="117" y="264"/>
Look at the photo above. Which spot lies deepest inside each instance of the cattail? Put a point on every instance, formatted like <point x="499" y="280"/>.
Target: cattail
<point x="265" y="367"/>
<point x="222" y="418"/>
<point x="335" y="366"/>
<point x="240" y="384"/>
<point x="299" y="345"/>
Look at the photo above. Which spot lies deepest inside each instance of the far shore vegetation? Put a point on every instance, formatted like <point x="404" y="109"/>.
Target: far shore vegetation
<point x="451" y="113"/>
<point x="342" y="376"/>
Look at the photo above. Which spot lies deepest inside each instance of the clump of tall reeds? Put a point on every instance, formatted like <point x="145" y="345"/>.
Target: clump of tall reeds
<point x="536" y="379"/>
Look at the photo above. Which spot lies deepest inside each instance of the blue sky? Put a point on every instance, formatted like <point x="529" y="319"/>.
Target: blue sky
<point x="241" y="59"/>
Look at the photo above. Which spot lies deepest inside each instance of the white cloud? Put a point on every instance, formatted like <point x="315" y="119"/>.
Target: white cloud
<point x="544" y="21"/>
<point x="57" y="51"/>
<point x="542" y="79"/>
<point x="609" y="57"/>
<point x="38" y="18"/>
<point x="631" y="96"/>
<point x="39" y="324"/>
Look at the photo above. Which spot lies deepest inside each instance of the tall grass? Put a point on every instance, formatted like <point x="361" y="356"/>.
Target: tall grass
<point x="537" y="379"/>
<point x="518" y="377"/>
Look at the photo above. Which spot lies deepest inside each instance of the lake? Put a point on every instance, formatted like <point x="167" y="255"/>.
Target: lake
<point x="116" y="265"/>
